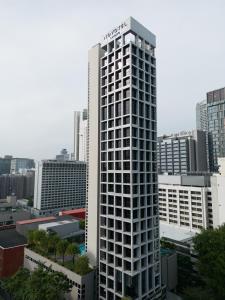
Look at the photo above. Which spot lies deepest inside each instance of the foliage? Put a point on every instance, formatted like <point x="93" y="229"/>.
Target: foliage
<point x="53" y="240"/>
<point x="82" y="224"/>
<point x="40" y="284"/>
<point x="167" y="245"/>
<point x="61" y="248"/>
<point x="50" y="245"/>
<point x="197" y="293"/>
<point x="73" y="250"/>
<point x="30" y="238"/>
<point x="40" y="240"/>
<point x="81" y="265"/>
<point x="210" y="246"/>
<point x="30" y="202"/>
<point x="13" y="285"/>
<point x="187" y="276"/>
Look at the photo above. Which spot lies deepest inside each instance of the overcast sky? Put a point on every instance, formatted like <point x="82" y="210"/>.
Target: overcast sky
<point x="43" y="64"/>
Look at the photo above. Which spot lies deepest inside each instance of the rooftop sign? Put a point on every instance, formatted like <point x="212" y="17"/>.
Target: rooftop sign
<point x="115" y="32"/>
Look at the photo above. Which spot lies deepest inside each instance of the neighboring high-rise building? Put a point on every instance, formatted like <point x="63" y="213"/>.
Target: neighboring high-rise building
<point x="218" y="192"/>
<point x="20" y="185"/>
<point x="216" y="126"/>
<point x="63" y="156"/>
<point x="59" y="185"/>
<point x="202" y="116"/>
<point x="5" y="164"/>
<point x="202" y="123"/>
<point x="122" y="234"/>
<point x="21" y="164"/>
<point x="186" y="201"/>
<point x="182" y="153"/>
<point x="80" y="135"/>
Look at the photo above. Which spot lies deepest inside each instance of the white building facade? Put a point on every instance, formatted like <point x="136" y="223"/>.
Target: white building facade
<point x="80" y="135"/>
<point x="122" y="234"/>
<point x="218" y="194"/>
<point x="59" y="185"/>
<point x="186" y="202"/>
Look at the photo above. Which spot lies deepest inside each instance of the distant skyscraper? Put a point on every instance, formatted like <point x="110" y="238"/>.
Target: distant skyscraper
<point x="21" y="164"/>
<point x="21" y="185"/>
<point x="5" y="164"/>
<point x="202" y="116"/>
<point x="122" y="205"/>
<point x="59" y="185"/>
<point x="80" y="135"/>
<point x="216" y="126"/>
<point x="182" y="153"/>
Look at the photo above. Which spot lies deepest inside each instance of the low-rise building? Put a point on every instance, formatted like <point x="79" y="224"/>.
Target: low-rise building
<point x="10" y="213"/>
<point x="77" y="213"/>
<point x="11" y="252"/>
<point x="83" y="286"/>
<point x="169" y="268"/>
<point x="63" y="226"/>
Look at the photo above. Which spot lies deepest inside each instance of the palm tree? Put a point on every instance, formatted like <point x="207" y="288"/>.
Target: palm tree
<point x="52" y="243"/>
<point x="61" y="248"/>
<point x="40" y="239"/>
<point x="72" y="250"/>
<point x="30" y="237"/>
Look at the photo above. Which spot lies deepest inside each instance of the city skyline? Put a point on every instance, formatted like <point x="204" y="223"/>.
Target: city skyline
<point x="44" y="65"/>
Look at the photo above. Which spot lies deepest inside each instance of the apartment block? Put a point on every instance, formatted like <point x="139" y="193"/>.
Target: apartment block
<point x="59" y="185"/>
<point x="186" y="201"/>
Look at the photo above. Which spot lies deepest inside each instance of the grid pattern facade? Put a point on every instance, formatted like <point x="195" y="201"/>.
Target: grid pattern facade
<point x="202" y="116"/>
<point x="21" y="163"/>
<point x="188" y="207"/>
<point x="60" y="185"/>
<point x="129" y="221"/>
<point x="173" y="156"/>
<point x="216" y="126"/>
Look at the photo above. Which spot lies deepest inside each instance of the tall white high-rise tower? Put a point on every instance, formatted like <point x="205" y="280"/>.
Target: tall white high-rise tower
<point x="80" y="135"/>
<point x="122" y="234"/>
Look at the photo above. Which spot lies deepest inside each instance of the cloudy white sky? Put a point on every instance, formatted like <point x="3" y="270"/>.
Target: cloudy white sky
<point x="43" y="63"/>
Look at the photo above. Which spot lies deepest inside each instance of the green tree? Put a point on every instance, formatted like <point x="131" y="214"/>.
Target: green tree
<point x="53" y="240"/>
<point x="13" y="285"/>
<point x="210" y="247"/>
<point x="30" y="202"/>
<point x="82" y="224"/>
<point x="31" y="238"/>
<point x="81" y="265"/>
<point x="61" y="248"/>
<point x="72" y="250"/>
<point x="167" y="245"/>
<point x="48" y="285"/>
<point x="197" y="293"/>
<point x="40" y="284"/>
<point x="40" y="238"/>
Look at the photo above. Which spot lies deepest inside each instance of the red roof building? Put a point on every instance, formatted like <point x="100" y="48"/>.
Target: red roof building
<point x="77" y="213"/>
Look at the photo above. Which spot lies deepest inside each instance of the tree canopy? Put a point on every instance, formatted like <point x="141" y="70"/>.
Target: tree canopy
<point x="81" y="265"/>
<point x="210" y="248"/>
<point x="40" y="284"/>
